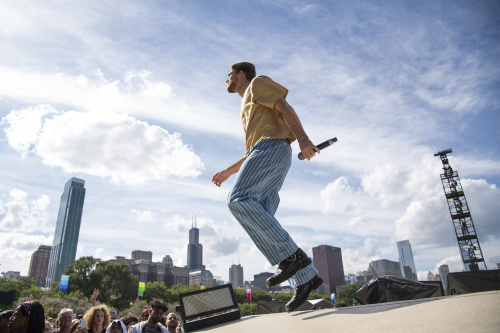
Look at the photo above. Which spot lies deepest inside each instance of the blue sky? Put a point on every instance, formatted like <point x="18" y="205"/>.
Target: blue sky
<point x="131" y="98"/>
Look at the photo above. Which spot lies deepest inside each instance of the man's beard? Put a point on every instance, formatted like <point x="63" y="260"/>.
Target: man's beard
<point x="231" y="87"/>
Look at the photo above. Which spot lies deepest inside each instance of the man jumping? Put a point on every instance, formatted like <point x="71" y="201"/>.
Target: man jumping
<point x="270" y="125"/>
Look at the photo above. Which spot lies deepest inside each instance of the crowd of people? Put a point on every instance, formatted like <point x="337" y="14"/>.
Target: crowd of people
<point x="30" y="317"/>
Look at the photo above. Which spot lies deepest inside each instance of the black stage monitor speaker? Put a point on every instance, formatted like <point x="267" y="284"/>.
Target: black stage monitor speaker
<point x="208" y="307"/>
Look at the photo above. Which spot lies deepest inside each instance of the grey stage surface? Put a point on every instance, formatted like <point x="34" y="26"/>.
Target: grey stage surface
<point x="477" y="312"/>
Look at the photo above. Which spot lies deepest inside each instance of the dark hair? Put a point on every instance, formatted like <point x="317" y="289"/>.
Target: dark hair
<point x="158" y="304"/>
<point x="127" y="320"/>
<point x="36" y="315"/>
<point x="247" y="68"/>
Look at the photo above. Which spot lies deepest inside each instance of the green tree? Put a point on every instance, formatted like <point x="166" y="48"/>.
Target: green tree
<point x="318" y="296"/>
<point x="158" y="290"/>
<point x="135" y="308"/>
<point x="283" y="297"/>
<point x="23" y="284"/>
<point x="33" y="292"/>
<point x="77" y="294"/>
<point x="245" y="308"/>
<point x="118" y="287"/>
<point x="346" y="294"/>
<point x="79" y="273"/>
<point x="182" y="288"/>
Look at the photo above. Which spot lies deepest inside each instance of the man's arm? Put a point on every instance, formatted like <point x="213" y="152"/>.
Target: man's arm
<point x="307" y="148"/>
<point x="221" y="176"/>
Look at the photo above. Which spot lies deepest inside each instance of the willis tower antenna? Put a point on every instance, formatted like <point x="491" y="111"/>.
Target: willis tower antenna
<point x="465" y="231"/>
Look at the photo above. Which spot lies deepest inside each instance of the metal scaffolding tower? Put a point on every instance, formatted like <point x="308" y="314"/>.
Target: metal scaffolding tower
<point x="465" y="231"/>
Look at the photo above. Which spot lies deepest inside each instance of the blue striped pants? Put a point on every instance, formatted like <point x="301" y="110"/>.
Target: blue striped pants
<point x="254" y="199"/>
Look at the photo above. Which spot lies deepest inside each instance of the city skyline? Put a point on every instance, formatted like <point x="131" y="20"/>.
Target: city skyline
<point x="143" y="257"/>
<point x="133" y="99"/>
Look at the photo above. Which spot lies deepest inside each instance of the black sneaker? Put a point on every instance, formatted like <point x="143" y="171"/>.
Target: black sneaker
<point x="302" y="293"/>
<point x="288" y="267"/>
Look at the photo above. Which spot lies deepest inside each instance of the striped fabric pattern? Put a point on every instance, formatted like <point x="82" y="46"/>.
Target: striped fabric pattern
<point x="254" y="199"/>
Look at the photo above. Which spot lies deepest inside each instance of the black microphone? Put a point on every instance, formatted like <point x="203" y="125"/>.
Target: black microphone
<point x="322" y="145"/>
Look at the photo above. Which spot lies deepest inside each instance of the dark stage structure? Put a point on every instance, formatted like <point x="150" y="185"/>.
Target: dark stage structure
<point x="468" y="242"/>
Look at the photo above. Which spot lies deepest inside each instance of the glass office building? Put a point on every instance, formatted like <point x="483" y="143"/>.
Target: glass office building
<point x="67" y="229"/>
<point x="406" y="261"/>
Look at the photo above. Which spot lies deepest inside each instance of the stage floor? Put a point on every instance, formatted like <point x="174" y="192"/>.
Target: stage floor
<point x="476" y="312"/>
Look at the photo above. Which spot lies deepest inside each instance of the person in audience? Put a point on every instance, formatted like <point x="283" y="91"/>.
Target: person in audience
<point x="172" y="322"/>
<point x="97" y="319"/>
<point x="144" y="315"/>
<point x="116" y="326"/>
<point x="129" y="321"/>
<point x="63" y="321"/>
<point x="4" y="321"/>
<point x="48" y="327"/>
<point x="152" y="325"/>
<point x="29" y="317"/>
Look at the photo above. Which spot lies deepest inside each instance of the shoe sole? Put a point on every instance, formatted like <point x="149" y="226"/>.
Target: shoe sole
<point x="303" y="264"/>
<point x="314" y="286"/>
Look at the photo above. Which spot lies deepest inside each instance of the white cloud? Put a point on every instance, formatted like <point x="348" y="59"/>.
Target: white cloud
<point x="17" y="247"/>
<point x="371" y="248"/>
<point x="136" y="94"/>
<point x="393" y="184"/>
<point x="102" y="144"/>
<point x="339" y="197"/>
<point x="23" y="127"/>
<point x="426" y="223"/>
<point x="24" y="215"/>
<point x="454" y="263"/>
<point x="353" y="261"/>
<point x="145" y="216"/>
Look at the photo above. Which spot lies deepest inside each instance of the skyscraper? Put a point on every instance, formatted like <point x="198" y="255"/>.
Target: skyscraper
<point x="406" y="260"/>
<point x="195" y="250"/>
<point x="259" y="280"/>
<point x="444" y="270"/>
<point x="67" y="231"/>
<point x="39" y="265"/>
<point x="236" y="276"/>
<point x="328" y="260"/>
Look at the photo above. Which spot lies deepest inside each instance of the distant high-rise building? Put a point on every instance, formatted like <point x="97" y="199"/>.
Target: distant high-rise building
<point x="176" y="275"/>
<point x="406" y="259"/>
<point x="39" y="265"/>
<point x="168" y="260"/>
<point x="444" y="270"/>
<point x="430" y="276"/>
<point x="195" y="250"/>
<point x="378" y="268"/>
<point x="140" y="268"/>
<point x="11" y="275"/>
<point x="328" y="260"/>
<point x="142" y="255"/>
<point x="236" y="276"/>
<point x="69" y="218"/>
<point x="259" y="280"/>
<point x="201" y="278"/>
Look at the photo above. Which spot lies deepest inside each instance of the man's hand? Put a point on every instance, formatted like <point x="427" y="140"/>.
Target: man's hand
<point x="308" y="149"/>
<point x="220" y="177"/>
<point x="94" y="296"/>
